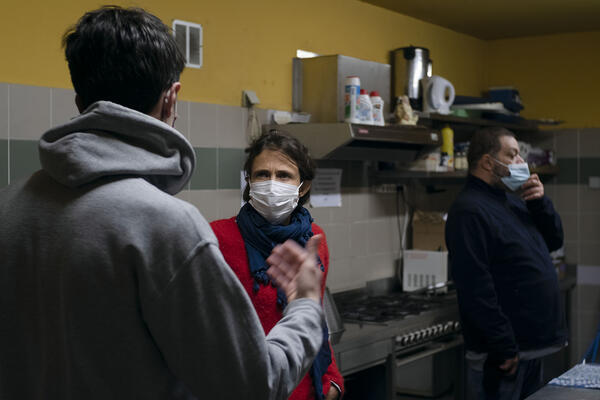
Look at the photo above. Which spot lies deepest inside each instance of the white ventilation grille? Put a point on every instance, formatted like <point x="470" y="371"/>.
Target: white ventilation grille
<point x="189" y="40"/>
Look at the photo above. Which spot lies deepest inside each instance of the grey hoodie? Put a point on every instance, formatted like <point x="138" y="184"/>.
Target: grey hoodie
<point x="111" y="288"/>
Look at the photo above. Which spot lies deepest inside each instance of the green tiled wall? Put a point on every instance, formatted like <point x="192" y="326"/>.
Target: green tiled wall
<point x="3" y="162"/>
<point x="568" y="174"/>
<point x="231" y="162"/>
<point x="24" y="159"/>
<point x="205" y="174"/>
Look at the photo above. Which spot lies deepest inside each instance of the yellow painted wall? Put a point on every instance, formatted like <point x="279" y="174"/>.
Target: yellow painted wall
<point x="247" y="44"/>
<point x="557" y="75"/>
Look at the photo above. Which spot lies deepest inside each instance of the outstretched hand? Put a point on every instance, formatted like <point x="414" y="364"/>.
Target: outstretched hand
<point x="295" y="270"/>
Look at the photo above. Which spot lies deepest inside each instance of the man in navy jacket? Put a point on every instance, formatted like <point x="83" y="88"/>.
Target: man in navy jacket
<point x="499" y="233"/>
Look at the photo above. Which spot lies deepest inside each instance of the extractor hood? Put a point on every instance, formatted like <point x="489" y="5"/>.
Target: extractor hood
<point x="344" y="141"/>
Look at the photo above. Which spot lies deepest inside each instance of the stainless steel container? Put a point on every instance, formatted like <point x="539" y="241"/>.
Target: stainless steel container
<point x="409" y="65"/>
<point x="318" y="86"/>
<point x="332" y="317"/>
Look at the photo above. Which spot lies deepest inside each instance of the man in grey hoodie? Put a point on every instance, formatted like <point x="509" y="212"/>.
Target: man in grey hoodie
<point x="110" y="287"/>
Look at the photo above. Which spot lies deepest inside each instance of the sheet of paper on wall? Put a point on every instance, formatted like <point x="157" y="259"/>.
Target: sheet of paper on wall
<point x="326" y="188"/>
<point x="243" y="184"/>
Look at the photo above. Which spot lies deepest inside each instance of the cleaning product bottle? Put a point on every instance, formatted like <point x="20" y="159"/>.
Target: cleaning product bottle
<point x="365" y="109"/>
<point x="377" y="103"/>
<point x="351" y="99"/>
<point x="447" y="148"/>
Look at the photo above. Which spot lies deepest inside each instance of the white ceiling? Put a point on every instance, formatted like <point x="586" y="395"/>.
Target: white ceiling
<point x="494" y="19"/>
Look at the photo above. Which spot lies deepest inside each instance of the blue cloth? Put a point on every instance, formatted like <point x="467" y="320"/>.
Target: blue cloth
<point x="259" y="238"/>
<point x="507" y="286"/>
<point x="491" y="384"/>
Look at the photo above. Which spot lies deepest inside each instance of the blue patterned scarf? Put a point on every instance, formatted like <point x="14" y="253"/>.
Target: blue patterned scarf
<point x="259" y="238"/>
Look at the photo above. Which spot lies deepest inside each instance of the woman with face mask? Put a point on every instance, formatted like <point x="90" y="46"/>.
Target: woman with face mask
<point x="278" y="172"/>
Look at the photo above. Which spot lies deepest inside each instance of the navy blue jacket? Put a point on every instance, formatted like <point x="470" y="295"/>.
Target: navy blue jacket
<point x="506" y="283"/>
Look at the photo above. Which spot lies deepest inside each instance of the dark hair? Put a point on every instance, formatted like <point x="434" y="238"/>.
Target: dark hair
<point x="485" y="141"/>
<point x="124" y="55"/>
<point x="291" y="147"/>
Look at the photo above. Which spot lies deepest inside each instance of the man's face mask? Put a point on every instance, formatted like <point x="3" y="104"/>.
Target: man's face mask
<point x="519" y="174"/>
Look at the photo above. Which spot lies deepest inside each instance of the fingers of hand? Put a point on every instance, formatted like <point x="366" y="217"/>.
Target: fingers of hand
<point x="313" y="245"/>
<point x="280" y="267"/>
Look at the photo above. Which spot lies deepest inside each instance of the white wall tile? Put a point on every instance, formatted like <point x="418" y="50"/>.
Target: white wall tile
<point x="342" y="214"/>
<point x="182" y="123"/>
<point x="381" y="236"/>
<point x="206" y="201"/>
<point x="567" y="143"/>
<point x="570" y="226"/>
<point x="589" y="252"/>
<point x="4" y="121"/>
<point x="29" y="108"/>
<point x="203" y="124"/>
<point x="338" y="239"/>
<point x="359" y="205"/>
<point x="589" y="142"/>
<point x="229" y="203"/>
<point x="359" y="238"/>
<point x="589" y="200"/>
<point x="590" y="227"/>
<point x="63" y="106"/>
<point x="231" y="127"/>
<point x="566" y="199"/>
<point x="346" y="273"/>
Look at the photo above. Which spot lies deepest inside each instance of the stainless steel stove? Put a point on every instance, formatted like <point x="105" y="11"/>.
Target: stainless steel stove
<point x="405" y="332"/>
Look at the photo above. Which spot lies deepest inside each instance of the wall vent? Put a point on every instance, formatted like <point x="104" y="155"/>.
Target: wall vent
<point x="188" y="36"/>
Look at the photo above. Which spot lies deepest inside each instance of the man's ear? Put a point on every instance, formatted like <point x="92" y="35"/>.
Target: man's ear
<point x="304" y="188"/>
<point x="168" y="102"/>
<point x="486" y="163"/>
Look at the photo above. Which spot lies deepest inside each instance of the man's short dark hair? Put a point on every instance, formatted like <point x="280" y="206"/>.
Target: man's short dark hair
<point x="485" y="141"/>
<point x="124" y="55"/>
<point x="291" y="147"/>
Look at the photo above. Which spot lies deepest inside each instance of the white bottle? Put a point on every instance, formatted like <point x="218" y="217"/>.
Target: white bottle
<point x="351" y="94"/>
<point x="365" y="109"/>
<point x="377" y="103"/>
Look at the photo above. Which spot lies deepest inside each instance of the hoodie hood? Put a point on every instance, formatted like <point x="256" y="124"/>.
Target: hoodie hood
<point x="111" y="140"/>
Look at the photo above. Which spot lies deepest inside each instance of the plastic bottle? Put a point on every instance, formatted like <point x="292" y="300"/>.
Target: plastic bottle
<point x="365" y="109"/>
<point x="377" y="103"/>
<point x="448" y="148"/>
<point x="351" y="99"/>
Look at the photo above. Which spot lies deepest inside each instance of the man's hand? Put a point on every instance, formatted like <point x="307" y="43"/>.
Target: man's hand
<point x="333" y="393"/>
<point x="532" y="189"/>
<point x="295" y="270"/>
<point x="509" y="367"/>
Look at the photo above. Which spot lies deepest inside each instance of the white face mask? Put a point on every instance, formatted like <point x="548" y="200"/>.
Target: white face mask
<point x="274" y="200"/>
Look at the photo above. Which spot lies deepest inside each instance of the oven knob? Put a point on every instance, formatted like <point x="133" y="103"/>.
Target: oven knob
<point x="438" y="329"/>
<point x="418" y="335"/>
<point x="404" y="340"/>
<point x="428" y="332"/>
<point x="411" y="338"/>
<point x="448" y="327"/>
<point x="456" y="326"/>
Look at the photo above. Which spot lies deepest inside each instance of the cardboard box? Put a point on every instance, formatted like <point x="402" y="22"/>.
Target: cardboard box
<point x="428" y="231"/>
<point x="424" y="268"/>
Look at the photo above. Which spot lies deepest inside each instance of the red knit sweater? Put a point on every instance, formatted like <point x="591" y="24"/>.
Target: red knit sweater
<point x="232" y="246"/>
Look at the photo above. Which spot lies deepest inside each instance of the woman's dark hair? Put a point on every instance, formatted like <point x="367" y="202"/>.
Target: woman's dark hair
<point x="124" y="55"/>
<point x="291" y="147"/>
<point x="485" y="141"/>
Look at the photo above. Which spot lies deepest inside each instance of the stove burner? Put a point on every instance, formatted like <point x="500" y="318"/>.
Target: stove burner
<point x="381" y="309"/>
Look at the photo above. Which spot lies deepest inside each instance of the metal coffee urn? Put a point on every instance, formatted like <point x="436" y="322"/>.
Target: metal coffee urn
<point x="409" y="65"/>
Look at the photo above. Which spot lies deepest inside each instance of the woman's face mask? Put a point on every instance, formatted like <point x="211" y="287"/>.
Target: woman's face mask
<point x="274" y="200"/>
<point x="519" y="174"/>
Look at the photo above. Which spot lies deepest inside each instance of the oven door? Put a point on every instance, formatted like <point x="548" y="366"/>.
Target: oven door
<point x="430" y="370"/>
